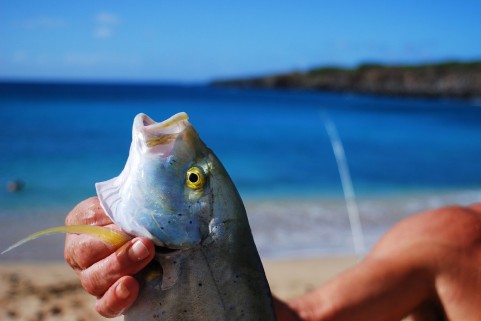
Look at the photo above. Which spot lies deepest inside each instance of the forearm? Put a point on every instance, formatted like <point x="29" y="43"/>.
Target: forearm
<point x="373" y="290"/>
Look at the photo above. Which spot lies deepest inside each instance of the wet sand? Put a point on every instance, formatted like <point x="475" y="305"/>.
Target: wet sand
<point x="51" y="291"/>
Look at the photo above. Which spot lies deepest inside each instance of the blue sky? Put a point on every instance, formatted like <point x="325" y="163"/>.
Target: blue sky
<point x="189" y="41"/>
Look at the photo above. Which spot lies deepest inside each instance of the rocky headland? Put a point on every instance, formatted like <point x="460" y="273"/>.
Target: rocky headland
<point x="448" y="79"/>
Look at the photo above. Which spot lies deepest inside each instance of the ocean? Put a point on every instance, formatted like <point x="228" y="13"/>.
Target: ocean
<point x="59" y="139"/>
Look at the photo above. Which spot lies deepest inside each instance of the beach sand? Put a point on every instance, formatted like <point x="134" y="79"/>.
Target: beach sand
<point x="51" y="291"/>
<point x="296" y="238"/>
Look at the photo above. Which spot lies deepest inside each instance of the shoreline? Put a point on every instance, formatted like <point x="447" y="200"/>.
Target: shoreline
<point x="317" y="228"/>
<point x="282" y="228"/>
<point x="51" y="291"/>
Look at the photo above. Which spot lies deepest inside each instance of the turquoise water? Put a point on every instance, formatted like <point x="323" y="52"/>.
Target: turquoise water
<point x="61" y="139"/>
<point x="404" y="155"/>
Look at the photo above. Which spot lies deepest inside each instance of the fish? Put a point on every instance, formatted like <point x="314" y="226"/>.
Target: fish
<point x="176" y="192"/>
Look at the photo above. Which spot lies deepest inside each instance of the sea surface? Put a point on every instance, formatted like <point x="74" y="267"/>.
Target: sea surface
<point x="59" y="139"/>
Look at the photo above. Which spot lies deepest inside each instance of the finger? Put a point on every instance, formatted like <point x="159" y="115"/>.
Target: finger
<point x="128" y="260"/>
<point x="88" y="212"/>
<point x="81" y="251"/>
<point x="118" y="298"/>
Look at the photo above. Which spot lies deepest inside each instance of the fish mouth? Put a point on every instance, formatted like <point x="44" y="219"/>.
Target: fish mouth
<point x="170" y="125"/>
<point x="152" y="134"/>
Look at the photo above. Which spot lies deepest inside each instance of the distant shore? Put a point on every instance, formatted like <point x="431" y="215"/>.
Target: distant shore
<point x="448" y="79"/>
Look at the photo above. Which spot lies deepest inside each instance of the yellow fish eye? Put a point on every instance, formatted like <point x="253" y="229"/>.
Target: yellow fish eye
<point x="195" y="178"/>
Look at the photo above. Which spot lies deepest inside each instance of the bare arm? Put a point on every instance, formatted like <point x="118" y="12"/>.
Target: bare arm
<point x="395" y="279"/>
<point x="376" y="289"/>
<point x="425" y="265"/>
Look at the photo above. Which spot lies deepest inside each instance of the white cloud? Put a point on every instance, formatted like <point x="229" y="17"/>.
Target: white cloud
<point x="107" y="18"/>
<point x="103" y="32"/>
<point x="106" y="24"/>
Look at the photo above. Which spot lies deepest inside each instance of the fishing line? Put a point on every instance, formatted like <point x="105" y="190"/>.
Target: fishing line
<point x="346" y="181"/>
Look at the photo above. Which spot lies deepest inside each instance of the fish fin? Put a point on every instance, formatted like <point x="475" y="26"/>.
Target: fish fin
<point x="112" y="237"/>
<point x="108" y="193"/>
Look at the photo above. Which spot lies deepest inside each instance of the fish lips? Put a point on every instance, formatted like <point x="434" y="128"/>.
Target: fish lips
<point x="158" y="137"/>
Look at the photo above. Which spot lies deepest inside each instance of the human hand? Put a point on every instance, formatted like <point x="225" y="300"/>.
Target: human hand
<point x="103" y="271"/>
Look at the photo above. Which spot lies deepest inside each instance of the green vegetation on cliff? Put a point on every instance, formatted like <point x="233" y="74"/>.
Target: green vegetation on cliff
<point x="447" y="79"/>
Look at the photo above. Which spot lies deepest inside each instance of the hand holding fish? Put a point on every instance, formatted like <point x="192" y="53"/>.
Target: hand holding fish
<point x="174" y="191"/>
<point x="103" y="271"/>
<point x="107" y="273"/>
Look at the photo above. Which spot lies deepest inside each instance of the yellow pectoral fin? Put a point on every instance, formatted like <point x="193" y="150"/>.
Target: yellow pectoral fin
<point x="112" y="237"/>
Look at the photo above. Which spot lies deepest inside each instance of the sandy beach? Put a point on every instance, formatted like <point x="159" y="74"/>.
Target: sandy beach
<point x="302" y="243"/>
<point x="51" y="291"/>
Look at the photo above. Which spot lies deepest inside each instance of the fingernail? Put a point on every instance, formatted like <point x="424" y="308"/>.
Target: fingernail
<point x="122" y="291"/>
<point x="138" y="251"/>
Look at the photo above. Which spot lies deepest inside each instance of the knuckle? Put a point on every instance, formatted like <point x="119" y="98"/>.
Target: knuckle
<point x="83" y="251"/>
<point x="91" y="283"/>
<point x="88" y="285"/>
<point x="84" y="212"/>
<point x="67" y="252"/>
<point x="75" y="255"/>
<point x="78" y="257"/>
<point x="106" y="310"/>
<point x="99" y="277"/>
<point x="72" y="217"/>
<point x="71" y="260"/>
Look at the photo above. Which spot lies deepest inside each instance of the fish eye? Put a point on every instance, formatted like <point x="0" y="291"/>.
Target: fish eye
<point x="195" y="178"/>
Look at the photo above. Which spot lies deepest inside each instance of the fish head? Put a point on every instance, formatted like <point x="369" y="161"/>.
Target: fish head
<point x="166" y="190"/>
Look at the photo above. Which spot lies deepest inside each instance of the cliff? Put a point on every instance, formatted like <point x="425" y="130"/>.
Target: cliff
<point x="449" y="79"/>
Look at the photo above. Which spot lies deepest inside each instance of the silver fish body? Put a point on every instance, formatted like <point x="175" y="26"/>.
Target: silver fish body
<point x="176" y="192"/>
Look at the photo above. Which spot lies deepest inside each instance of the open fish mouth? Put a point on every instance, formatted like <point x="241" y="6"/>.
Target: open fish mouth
<point x="159" y="135"/>
<point x="154" y="132"/>
<point x="168" y="124"/>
